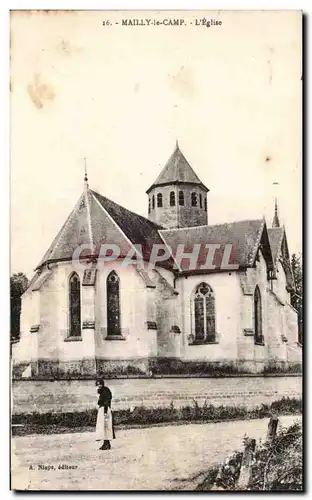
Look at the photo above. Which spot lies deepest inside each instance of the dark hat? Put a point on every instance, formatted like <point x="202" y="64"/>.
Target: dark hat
<point x="99" y="381"/>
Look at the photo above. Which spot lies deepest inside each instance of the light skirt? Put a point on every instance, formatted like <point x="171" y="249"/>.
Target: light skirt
<point x="104" y="425"/>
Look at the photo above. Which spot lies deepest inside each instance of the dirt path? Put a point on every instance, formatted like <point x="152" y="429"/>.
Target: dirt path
<point x="157" y="458"/>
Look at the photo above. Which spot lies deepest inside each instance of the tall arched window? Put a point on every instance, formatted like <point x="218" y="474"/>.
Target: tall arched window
<point x="149" y="206"/>
<point x="113" y="304"/>
<point x="159" y="200"/>
<point x="153" y="202"/>
<point x="204" y="314"/>
<point x="181" y="198"/>
<point x="200" y="201"/>
<point x="205" y="204"/>
<point x="258" y="317"/>
<point x="74" y="306"/>
<point x="172" y="198"/>
<point x="194" y="200"/>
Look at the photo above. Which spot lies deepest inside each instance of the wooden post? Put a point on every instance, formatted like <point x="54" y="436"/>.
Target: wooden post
<point x="272" y="429"/>
<point x="245" y="472"/>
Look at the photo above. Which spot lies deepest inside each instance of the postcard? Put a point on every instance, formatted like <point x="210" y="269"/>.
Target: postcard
<point x="156" y="250"/>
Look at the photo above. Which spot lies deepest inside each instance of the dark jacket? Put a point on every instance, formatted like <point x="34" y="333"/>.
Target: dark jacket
<point x="105" y="398"/>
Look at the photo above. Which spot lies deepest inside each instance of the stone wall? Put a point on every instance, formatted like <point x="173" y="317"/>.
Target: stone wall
<point x="227" y="292"/>
<point x="79" y="395"/>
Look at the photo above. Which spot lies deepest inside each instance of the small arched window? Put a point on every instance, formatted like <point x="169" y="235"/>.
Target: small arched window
<point x="159" y="200"/>
<point x="200" y="201"/>
<point x="149" y="206"/>
<point x="113" y="304"/>
<point x="181" y="198"/>
<point x="258" y="317"/>
<point x="204" y="314"/>
<point x="74" y="306"/>
<point x="153" y="202"/>
<point x="194" y="200"/>
<point x="205" y="204"/>
<point x="172" y="198"/>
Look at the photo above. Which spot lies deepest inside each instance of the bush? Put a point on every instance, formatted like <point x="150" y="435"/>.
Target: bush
<point x="278" y="464"/>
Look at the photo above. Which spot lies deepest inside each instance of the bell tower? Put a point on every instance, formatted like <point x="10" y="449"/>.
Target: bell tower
<point x="178" y="198"/>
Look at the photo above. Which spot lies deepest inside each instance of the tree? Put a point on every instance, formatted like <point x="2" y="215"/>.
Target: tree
<point x="18" y="285"/>
<point x="296" y="295"/>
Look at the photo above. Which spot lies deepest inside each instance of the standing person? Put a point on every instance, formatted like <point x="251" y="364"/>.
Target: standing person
<point x="104" y="423"/>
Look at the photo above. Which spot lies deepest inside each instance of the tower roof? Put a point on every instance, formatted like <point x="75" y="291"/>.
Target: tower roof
<point x="177" y="171"/>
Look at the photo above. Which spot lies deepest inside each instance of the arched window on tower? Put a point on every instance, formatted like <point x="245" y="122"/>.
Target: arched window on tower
<point x="205" y="204"/>
<point x="181" y="198"/>
<point x="194" y="199"/>
<point x="153" y="202"/>
<point x="74" y="306"/>
<point x="159" y="200"/>
<point x="200" y="201"/>
<point x="259" y="339"/>
<point x="172" y="198"/>
<point x="149" y="206"/>
<point x="203" y="306"/>
<point x="113" y="304"/>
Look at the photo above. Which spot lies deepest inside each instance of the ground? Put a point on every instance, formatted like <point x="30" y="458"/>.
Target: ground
<point x="172" y="457"/>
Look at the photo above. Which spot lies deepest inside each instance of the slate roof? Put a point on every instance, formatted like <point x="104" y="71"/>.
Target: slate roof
<point x="276" y="238"/>
<point x="82" y="227"/>
<point x="245" y="237"/>
<point x="279" y="247"/>
<point x="177" y="171"/>
<point x="137" y="229"/>
<point x="91" y="220"/>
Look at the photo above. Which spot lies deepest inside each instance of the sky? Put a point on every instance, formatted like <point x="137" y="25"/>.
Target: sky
<point x="122" y="95"/>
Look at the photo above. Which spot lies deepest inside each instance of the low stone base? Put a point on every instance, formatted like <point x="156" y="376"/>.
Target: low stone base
<point x="174" y="366"/>
<point x="283" y="367"/>
<point x="148" y="367"/>
<point x="117" y="367"/>
<point x="47" y="368"/>
<point x="18" y="369"/>
<point x="84" y="367"/>
<point x="251" y="366"/>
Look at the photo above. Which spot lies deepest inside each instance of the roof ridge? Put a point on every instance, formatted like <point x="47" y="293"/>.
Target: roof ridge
<point x="213" y="225"/>
<point x="57" y="239"/>
<point x="257" y="242"/>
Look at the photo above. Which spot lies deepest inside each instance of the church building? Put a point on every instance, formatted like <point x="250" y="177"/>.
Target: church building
<point x="112" y="319"/>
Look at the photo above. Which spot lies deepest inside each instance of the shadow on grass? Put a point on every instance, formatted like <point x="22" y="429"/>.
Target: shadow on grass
<point x="201" y="481"/>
